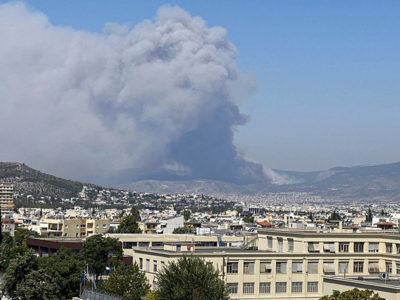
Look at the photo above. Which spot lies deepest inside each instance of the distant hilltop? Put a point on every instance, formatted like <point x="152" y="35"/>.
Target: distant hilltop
<point x="30" y="181"/>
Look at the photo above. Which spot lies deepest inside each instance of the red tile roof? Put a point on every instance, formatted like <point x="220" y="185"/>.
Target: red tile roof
<point x="265" y="224"/>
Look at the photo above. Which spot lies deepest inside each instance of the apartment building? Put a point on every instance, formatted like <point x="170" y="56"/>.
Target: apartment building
<point x="293" y="264"/>
<point x="6" y="197"/>
<point x="73" y="227"/>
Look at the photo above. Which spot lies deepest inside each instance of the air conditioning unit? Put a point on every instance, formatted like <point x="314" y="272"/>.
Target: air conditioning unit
<point x="384" y="276"/>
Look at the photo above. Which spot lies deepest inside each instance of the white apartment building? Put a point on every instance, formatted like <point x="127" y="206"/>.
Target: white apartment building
<point x="6" y="197"/>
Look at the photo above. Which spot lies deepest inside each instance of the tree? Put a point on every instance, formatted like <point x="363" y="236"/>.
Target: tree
<point x="17" y="274"/>
<point x="97" y="249"/>
<point x="129" y="225"/>
<point x="38" y="285"/>
<point x="248" y="219"/>
<point x="311" y="217"/>
<point x="190" y="278"/>
<point x="183" y="230"/>
<point x="369" y="215"/>
<point x="130" y="283"/>
<point x="353" y="294"/>
<point x="335" y="216"/>
<point x="21" y="236"/>
<point x="186" y="214"/>
<point x="152" y="295"/>
<point x="135" y="213"/>
<point x="66" y="269"/>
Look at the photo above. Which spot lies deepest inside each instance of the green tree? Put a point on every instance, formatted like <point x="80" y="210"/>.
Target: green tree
<point x="152" y="295"/>
<point x="17" y="274"/>
<point x="248" y="219"/>
<point x="38" y="285"/>
<point x="65" y="268"/>
<point x="353" y="294"/>
<point x="311" y="217"/>
<point x="369" y="215"/>
<point x="335" y="216"/>
<point x="135" y="213"/>
<point x="21" y="236"/>
<point x="183" y="230"/>
<point x="129" y="225"/>
<point x="190" y="278"/>
<point x="96" y="251"/>
<point x="130" y="283"/>
<point x="186" y="214"/>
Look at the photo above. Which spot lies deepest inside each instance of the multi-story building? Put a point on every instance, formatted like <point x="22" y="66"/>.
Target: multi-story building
<point x="6" y="197"/>
<point x="292" y="264"/>
<point x="73" y="227"/>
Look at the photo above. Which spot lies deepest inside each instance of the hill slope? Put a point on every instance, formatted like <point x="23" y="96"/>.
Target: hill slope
<point x="30" y="181"/>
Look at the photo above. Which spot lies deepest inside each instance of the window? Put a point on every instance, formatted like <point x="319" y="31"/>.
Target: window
<point x="162" y="265"/>
<point x="128" y="245"/>
<point x="154" y="285"/>
<point x="389" y="247"/>
<point x="269" y="239"/>
<point x="313" y="247"/>
<point x="141" y="263"/>
<point x="97" y="226"/>
<point x="157" y="244"/>
<point x="144" y="244"/>
<point x="104" y="225"/>
<point x="232" y="267"/>
<point x="232" y="288"/>
<point x="291" y="245"/>
<point x="297" y="267"/>
<point x="280" y="245"/>
<point x="248" y="288"/>
<point x="329" y="268"/>
<point x="329" y="247"/>
<point x="389" y="267"/>
<point x="343" y="247"/>
<point x="397" y="268"/>
<point x="343" y="267"/>
<point x="358" y="247"/>
<point x="373" y="247"/>
<point x="66" y="226"/>
<point x="77" y="226"/>
<point x="312" y="287"/>
<point x="312" y="267"/>
<point x="280" y="287"/>
<point x="147" y="264"/>
<point x="248" y="268"/>
<point x="397" y="248"/>
<point x="358" y="267"/>
<point x="265" y="267"/>
<point x="154" y="265"/>
<point x="297" y="287"/>
<point x="265" y="287"/>
<point x="281" y="267"/>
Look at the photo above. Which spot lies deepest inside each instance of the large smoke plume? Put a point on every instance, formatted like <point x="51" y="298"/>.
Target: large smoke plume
<point x="163" y="93"/>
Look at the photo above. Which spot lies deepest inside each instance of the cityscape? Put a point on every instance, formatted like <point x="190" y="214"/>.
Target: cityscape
<point x="185" y="150"/>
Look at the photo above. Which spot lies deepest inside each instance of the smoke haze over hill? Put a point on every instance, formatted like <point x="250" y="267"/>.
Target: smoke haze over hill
<point x="163" y="93"/>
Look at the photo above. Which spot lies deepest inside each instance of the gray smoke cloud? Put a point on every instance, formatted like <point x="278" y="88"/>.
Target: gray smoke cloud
<point x="163" y="93"/>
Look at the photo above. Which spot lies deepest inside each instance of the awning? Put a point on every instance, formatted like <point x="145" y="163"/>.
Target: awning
<point x="159" y="230"/>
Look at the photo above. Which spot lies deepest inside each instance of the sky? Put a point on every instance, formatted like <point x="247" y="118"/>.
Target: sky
<point x="324" y="88"/>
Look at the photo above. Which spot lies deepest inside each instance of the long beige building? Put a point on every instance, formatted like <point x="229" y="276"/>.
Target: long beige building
<point x="72" y="227"/>
<point x="283" y="264"/>
<point x="6" y="197"/>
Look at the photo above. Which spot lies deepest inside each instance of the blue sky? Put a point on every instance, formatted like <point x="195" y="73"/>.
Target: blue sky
<point x="328" y="73"/>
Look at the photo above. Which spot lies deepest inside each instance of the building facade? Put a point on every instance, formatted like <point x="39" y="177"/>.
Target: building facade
<point x="295" y="264"/>
<point x="73" y="227"/>
<point x="6" y="197"/>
